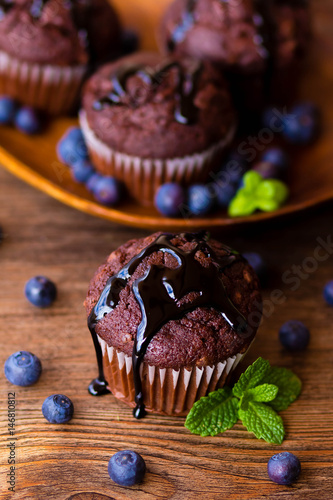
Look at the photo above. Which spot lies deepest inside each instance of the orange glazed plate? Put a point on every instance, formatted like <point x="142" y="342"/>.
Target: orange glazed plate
<point x="34" y="159"/>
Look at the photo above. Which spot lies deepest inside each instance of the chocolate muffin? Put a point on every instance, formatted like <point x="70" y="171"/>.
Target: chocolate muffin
<point x="148" y="120"/>
<point x="47" y="46"/>
<point x="258" y="43"/>
<point x="171" y="316"/>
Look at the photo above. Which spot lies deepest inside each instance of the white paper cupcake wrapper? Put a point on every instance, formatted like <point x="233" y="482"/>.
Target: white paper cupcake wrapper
<point x="53" y="89"/>
<point x="143" y="176"/>
<point x="165" y="390"/>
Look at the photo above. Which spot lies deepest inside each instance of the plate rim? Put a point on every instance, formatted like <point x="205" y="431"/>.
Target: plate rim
<point x="19" y="169"/>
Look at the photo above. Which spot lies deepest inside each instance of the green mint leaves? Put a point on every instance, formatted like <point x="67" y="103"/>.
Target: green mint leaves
<point x="258" y="194"/>
<point x="214" y="413"/>
<point x="260" y="392"/>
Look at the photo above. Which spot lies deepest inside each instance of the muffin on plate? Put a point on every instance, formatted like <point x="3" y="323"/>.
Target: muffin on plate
<point x="258" y="43"/>
<point x="171" y="315"/>
<point x="47" y="47"/>
<point x="148" y="120"/>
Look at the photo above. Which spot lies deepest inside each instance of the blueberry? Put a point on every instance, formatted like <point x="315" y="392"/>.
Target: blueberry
<point x="309" y="108"/>
<point x="300" y="129"/>
<point x="272" y="119"/>
<point x="277" y="157"/>
<point x="91" y="183"/>
<point x="126" y="468"/>
<point x="58" y="409"/>
<point x="23" y="368"/>
<point x="200" y="199"/>
<point x="328" y="293"/>
<point x="7" y="110"/>
<point x="72" y="148"/>
<point x="224" y="193"/>
<point x="169" y="199"/>
<point x="108" y="191"/>
<point x="27" y="120"/>
<point x="267" y="170"/>
<point x="294" y="335"/>
<point x="82" y="170"/>
<point x="129" y="42"/>
<point x="40" y="291"/>
<point x="258" y="264"/>
<point x="284" y="468"/>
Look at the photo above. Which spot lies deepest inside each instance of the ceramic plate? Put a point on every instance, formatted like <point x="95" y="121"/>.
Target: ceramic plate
<point x="34" y="159"/>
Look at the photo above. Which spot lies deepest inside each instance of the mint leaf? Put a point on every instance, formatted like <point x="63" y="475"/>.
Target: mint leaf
<point x="263" y="421"/>
<point x="213" y="414"/>
<point x="289" y="386"/>
<point x="251" y="377"/>
<point x="264" y="393"/>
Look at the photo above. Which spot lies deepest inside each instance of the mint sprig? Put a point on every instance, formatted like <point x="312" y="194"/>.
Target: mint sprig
<point x="260" y="392"/>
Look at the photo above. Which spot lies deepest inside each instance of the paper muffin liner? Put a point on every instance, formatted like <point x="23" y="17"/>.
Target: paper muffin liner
<point x="143" y="176"/>
<point x="165" y="391"/>
<point x="52" y="89"/>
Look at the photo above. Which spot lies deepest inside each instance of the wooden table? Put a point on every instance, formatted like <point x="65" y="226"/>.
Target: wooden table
<point x="56" y="462"/>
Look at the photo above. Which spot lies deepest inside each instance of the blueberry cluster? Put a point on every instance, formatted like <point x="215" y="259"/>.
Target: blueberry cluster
<point x="172" y="200"/>
<point x="72" y="151"/>
<point x="24" y="118"/>
<point x="300" y="125"/>
<point x="23" y="369"/>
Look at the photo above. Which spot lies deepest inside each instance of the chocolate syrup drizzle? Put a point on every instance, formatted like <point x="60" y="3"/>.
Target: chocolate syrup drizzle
<point x="160" y="293"/>
<point x="37" y="8"/>
<point x="185" y="111"/>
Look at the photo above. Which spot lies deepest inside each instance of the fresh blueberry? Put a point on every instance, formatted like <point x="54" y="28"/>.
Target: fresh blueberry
<point x="58" y="409"/>
<point x="82" y="170"/>
<point x="272" y="119"/>
<point x="267" y="170"/>
<point x="224" y="193"/>
<point x="27" y="120"/>
<point x="92" y="182"/>
<point x="300" y="129"/>
<point x="169" y="199"/>
<point x="126" y="468"/>
<point x="328" y="293"/>
<point x="200" y="199"/>
<point x="284" y="468"/>
<point x="7" y="110"/>
<point x="108" y="191"/>
<point x="308" y="108"/>
<point x="277" y="157"/>
<point x="129" y="42"/>
<point x="294" y="335"/>
<point x="72" y="148"/>
<point x="40" y="291"/>
<point x="258" y="264"/>
<point x="23" y="368"/>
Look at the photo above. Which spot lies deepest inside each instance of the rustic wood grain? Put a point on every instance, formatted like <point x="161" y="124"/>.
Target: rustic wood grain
<point x="70" y="461"/>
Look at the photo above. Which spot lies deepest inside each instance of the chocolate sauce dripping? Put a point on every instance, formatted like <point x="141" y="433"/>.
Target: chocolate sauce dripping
<point x="169" y="287"/>
<point x="183" y="27"/>
<point x="185" y="112"/>
<point x="37" y="8"/>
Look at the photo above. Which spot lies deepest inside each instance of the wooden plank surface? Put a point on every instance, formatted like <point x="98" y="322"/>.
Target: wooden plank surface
<point x="58" y="462"/>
